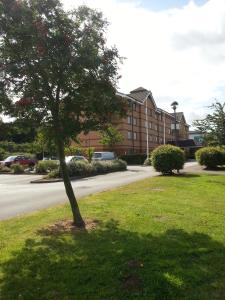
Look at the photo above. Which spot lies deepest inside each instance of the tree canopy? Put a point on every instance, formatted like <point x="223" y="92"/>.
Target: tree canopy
<point x="213" y="126"/>
<point x="110" y="136"/>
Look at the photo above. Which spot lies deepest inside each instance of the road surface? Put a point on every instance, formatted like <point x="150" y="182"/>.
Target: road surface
<point x="19" y="196"/>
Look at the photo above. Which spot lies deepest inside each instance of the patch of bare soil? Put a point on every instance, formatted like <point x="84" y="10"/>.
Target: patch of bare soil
<point x="132" y="283"/>
<point x="134" y="264"/>
<point x="67" y="226"/>
<point x="161" y="218"/>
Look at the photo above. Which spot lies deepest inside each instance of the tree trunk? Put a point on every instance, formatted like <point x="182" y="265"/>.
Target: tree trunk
<point x="77" y="218"/>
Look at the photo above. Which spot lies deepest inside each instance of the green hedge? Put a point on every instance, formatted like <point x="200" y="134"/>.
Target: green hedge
<point x="17" y="169"/>
<point x="134" y="159"/>
<point x="211" y="157"/>
<point x="46" y="166"/>
<point x="167" y="158"/>
<point x="82" y="168"/>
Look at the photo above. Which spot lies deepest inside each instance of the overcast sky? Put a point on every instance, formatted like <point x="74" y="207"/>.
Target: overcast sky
<point x="175" y="48"/>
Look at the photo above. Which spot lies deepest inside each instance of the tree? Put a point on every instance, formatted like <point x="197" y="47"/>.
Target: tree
<point x="44" y="143"/>
<point x="59" y="68"/>
<point x="213" y="126"/>
<point x="111" y="136"/>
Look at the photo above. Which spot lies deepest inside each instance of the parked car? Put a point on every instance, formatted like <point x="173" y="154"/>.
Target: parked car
<point x="50" y="158"/>
<point x="103" y="156"/>
<point x="19" y="159"/>
<point x="73" y="158"/>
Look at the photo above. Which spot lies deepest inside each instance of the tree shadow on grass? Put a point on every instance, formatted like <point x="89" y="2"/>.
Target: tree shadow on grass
<point x="113" y="263"/>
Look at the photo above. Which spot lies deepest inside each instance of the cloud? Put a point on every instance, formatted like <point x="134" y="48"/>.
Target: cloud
<point x="179" y="54"/>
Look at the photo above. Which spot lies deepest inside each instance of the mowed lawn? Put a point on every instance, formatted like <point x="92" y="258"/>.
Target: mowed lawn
<point x="161" y="238"/>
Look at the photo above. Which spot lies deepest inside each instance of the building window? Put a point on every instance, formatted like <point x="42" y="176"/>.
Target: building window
<point x="150" y="138"/>
<point x="129" y="135"/>
<point x="129" y="120"/>
<point x="145" y="124"/>
<point x="169" y="131"/>
<point x="150" y="125"/>
<point x="134" y="106"/>
<point x="156" y="127"/>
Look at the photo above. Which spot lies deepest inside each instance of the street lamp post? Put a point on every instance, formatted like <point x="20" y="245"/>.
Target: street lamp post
<point x="174" y="107"/>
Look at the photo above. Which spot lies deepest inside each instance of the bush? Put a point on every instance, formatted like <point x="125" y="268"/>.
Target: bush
<point x="211" y="157"/>
<point x="134" y="159"/>
<point x="148" y="162"/>
<point x="46" y="166"/>
<point x="4" y="169"/>
<point x="167" y="158"/>
<point x="17" y="169"/>
<point x="102" y="167"/>
<point x="12" y="147"/>
<point x="82" y="168"/>
<point x="53" y="174"/>
<point x="2" y="154"/>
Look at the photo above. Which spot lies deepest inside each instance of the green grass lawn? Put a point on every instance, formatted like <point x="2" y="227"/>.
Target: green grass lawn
<point x="161" y="238"/>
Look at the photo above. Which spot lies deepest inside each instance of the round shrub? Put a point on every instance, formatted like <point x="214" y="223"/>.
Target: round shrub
<point x="211" y="157"/>
<point x="167" y="158"/>
<point x="17" y="169"/>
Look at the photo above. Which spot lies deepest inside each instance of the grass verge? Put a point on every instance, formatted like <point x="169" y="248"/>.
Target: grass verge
<point x="161" y="238"/>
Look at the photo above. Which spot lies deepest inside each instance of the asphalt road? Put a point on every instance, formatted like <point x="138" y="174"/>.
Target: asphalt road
<point x="18" y="196"/>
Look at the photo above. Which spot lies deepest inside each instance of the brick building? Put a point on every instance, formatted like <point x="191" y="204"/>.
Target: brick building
<point x="145" y="124"/>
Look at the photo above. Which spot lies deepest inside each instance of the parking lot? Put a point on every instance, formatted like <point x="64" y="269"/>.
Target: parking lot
<point x="19" y="196"/>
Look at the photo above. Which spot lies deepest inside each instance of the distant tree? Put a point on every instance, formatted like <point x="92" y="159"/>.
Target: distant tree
<point x="58" y="65"/>
<point x="213" y="126"/>
<point x="110" y="136"/>
<point x="18" y="131"/>
<point x="44" y="143"/>
<point x="90" y="152"/>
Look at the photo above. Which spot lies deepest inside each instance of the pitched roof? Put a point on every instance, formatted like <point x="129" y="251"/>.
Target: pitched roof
<point x="140" y="94"/>
<point x="179" y="116"/>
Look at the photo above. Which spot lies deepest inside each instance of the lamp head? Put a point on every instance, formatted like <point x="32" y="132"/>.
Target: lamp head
<point x="174" y="105"/>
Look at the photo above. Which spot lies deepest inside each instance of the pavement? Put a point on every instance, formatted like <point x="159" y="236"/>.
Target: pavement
<point x="18" y="196"/>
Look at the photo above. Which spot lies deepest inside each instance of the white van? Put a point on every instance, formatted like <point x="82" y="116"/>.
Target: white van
<point x="104" y="156"/>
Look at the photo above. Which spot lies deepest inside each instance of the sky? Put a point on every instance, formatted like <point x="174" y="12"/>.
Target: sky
<point x="175" y="48"/>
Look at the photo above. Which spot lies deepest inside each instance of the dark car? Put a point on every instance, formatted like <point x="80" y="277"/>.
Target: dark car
<point x="19" y="159"/>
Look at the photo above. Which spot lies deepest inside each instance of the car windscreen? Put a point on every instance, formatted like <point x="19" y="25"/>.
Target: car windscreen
<point x="10" y="158"/>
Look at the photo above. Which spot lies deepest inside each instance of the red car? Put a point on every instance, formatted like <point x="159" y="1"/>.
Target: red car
<point x="19" y="159"/>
